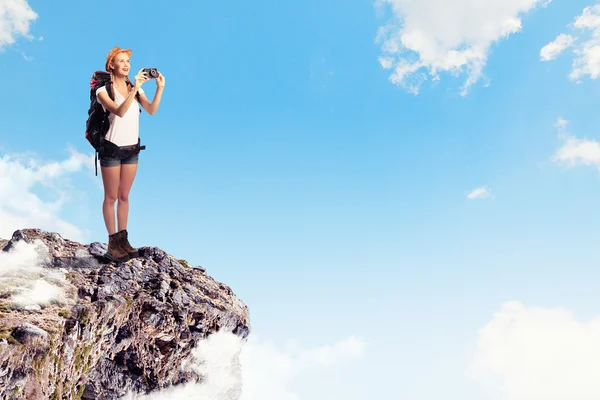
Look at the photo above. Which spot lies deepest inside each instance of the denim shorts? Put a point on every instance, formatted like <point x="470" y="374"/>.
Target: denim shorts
<point x="113" y="161"/>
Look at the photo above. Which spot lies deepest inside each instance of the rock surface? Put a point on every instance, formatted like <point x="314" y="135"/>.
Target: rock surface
<point x="104" y="329"/>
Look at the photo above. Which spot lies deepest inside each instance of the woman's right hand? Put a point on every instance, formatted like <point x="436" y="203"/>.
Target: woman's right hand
<point x="140" y="78"/>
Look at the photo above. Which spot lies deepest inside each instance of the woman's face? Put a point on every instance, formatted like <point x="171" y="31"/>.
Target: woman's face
<point x="121" y="64"/>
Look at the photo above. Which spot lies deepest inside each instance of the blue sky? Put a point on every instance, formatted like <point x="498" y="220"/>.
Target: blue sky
<point x="297" y="158"/>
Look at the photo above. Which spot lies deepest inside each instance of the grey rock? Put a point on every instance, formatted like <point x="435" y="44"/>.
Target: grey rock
<point x="27" y="333"/>
<point x="125" y="327"/>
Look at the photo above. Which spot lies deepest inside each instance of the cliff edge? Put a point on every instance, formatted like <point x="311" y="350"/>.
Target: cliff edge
<point x="75" y="327"/>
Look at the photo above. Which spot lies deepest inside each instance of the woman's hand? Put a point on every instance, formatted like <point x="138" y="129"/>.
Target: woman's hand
<point x="160" y="80"/>
<point x="140" y="78"/>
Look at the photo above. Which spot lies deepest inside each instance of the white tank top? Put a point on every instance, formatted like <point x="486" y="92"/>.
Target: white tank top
<point x="123" y="131"/>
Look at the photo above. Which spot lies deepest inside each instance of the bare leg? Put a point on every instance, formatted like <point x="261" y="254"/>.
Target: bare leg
<point x="128" y="172"/>
<point x="110" y="179"/>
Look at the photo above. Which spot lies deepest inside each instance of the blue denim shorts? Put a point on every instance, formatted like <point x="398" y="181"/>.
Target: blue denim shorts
<point x="113" y="161"/>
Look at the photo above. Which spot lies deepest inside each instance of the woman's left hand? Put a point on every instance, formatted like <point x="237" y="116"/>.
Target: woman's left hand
<point x="160" y="80"/>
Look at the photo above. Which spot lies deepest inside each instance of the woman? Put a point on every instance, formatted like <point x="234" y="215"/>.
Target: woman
<point x="119" y="169"/>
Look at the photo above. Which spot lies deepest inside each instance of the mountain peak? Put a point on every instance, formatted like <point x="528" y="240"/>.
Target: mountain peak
<point x="73" y="326"/>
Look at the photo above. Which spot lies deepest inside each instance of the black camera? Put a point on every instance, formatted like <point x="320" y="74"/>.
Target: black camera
<point x="152" y="72"/>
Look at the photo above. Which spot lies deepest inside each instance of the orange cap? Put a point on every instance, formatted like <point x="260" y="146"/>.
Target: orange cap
<point x="112" y="53"/>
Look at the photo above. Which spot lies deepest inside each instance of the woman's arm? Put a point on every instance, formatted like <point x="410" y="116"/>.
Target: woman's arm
<point x="111" y="106"/>
<point x="152" y="106"/>
<point x="121" y="109"/>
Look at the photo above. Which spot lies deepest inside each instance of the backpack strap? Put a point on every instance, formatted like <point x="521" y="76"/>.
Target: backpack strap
<point x="137" y="94"/>
<point x="109" y="89"/>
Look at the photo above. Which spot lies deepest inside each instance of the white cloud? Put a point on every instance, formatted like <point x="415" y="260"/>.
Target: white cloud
<point x="480" y="193"/>
<point x="575" y="151"/>
<point x="538" y="354"/>
<point x="270" y="373"/>
<point x="21" y="208"/>
<point x="437" y="36"/>
<point x="553" y="49"/>
<point x="267" y="373"/>
<point x="25" y="281"/>
<point x="561" y="124"/>
<point x="15" y="19"/>
<point x="586" y="45"/>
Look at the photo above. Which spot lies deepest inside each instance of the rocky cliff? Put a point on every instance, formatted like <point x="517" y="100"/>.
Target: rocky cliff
<point x="74" y="327"/>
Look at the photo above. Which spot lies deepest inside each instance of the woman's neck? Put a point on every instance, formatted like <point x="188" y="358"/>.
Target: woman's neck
<point x="119" y="81"/>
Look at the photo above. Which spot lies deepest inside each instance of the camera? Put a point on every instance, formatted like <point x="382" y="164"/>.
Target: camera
<point x="152" y="72"/>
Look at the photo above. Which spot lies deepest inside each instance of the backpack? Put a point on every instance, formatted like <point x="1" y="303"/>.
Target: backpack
<point x="97" y="123"/>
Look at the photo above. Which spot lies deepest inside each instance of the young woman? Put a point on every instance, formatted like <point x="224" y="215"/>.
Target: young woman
<point x="119" y="168"/>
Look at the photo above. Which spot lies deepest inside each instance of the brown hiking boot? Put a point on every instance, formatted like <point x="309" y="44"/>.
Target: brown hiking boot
<point x="127" y="246"/>
<point x="115" y="250"/>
